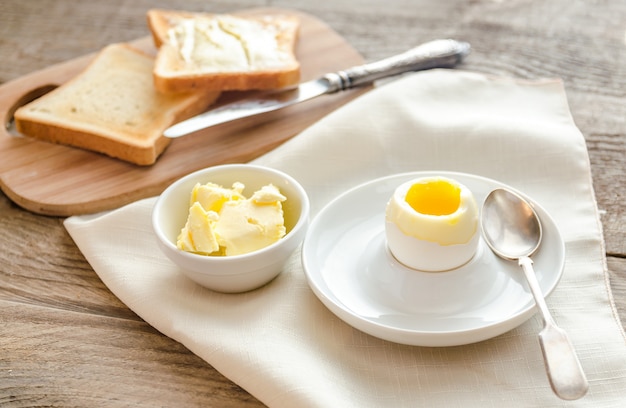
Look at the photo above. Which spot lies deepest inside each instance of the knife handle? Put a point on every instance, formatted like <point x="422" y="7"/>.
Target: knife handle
<point x="433" y="54"/>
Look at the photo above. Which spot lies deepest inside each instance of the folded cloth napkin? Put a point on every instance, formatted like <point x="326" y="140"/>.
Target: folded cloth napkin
<point x="283" y="346"/>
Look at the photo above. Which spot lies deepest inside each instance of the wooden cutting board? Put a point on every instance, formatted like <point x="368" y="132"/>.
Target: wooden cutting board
<point x="58" y="180"/>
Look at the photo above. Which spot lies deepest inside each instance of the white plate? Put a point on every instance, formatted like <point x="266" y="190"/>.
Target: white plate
<point x="349" y="268"/>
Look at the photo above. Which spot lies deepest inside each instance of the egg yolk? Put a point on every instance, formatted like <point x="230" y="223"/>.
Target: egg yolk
<point x="434" y="197"/>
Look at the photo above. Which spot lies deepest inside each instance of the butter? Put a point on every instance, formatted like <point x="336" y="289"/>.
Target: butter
<point x="223" y="221"/>
<point x="198" y="235"/>
<point x="212" y="196"/>
<point x="228" y="43"/>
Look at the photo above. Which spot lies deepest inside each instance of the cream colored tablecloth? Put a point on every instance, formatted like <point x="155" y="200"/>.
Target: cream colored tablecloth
<point x="283" y="346"/>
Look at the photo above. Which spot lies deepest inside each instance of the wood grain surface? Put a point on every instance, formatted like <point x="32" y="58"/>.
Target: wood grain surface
<point x="67" y="341"/>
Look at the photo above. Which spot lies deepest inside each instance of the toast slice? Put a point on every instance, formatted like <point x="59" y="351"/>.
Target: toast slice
<point x="112" y="108"/>
<point x="223" y="52"/>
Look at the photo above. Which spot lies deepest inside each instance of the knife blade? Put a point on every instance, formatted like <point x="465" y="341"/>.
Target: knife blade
<point x="445" y="53"/>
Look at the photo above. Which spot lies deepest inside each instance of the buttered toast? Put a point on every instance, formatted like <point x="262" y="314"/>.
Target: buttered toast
<point x="223" y="52"/>
<point x="112" y="107"/>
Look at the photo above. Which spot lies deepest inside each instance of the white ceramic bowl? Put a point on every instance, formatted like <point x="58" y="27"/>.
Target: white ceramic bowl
<point x="239" y="273"/>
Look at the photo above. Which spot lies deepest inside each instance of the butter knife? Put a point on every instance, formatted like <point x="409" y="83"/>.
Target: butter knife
<point x="434" y="54"/>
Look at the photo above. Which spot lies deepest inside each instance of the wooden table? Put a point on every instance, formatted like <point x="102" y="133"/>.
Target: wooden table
<point x="66" y="340"/>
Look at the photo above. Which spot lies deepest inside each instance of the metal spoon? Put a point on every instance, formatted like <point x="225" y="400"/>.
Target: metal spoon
<point x="513" y="231"/>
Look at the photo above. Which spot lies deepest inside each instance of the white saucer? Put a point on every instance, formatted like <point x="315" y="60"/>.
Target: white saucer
<point x="349" y="268"/>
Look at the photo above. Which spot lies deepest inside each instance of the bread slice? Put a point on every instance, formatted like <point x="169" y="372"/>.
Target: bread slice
<point x="223" y="52"/>
<point x="111" y="107"/>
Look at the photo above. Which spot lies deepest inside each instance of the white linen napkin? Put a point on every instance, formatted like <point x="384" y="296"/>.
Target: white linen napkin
<point x="283" y="346"/>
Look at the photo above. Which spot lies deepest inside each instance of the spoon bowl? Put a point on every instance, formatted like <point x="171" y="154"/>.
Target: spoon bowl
<point x="512" y="230"/>
<point x="510" y="225"/>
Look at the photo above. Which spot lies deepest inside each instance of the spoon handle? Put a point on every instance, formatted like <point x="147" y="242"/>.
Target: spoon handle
<point x="565" y="373"/>
<point x="527" y="266"/>
<point x="567" y="378"/>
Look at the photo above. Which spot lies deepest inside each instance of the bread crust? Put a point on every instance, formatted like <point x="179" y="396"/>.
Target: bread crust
<point x="111" y="108"/>
<point x="172" y="73"/>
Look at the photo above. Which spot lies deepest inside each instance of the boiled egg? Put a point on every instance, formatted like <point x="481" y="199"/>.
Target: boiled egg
<point x="431" y="224"/>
